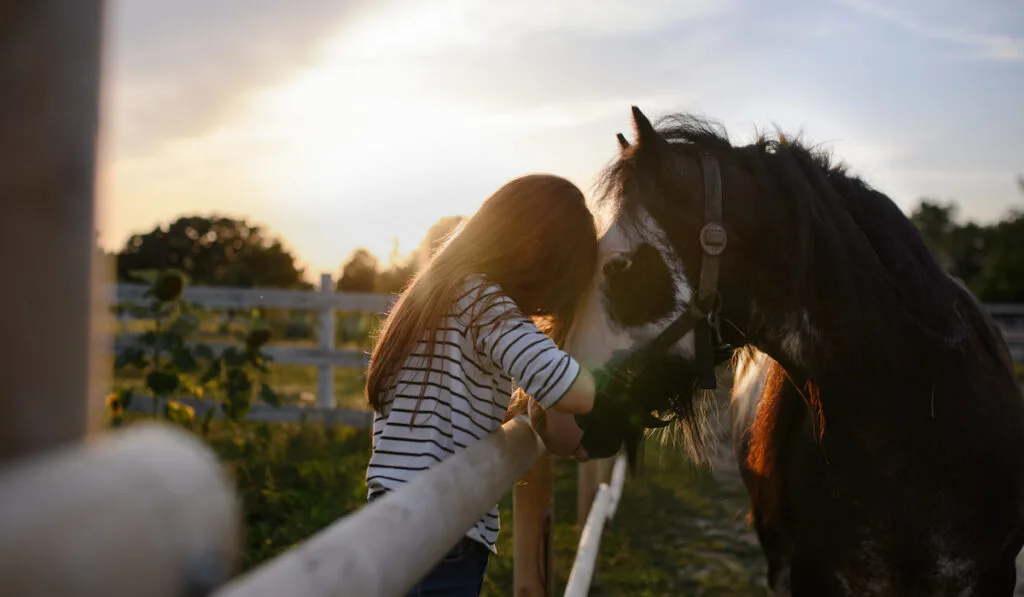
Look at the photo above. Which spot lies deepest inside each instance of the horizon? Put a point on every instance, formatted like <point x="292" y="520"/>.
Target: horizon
<point x="349" y="125"/>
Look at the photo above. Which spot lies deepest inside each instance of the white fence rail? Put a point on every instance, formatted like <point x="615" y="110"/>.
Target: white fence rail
<point x="606" y="502"/>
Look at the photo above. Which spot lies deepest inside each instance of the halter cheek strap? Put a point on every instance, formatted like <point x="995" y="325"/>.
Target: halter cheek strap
<point x="713" y="239"/>
<point x="701" y="316"/>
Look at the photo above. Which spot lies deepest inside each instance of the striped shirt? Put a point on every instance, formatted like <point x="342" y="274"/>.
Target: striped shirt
<point x="486" y="347"/>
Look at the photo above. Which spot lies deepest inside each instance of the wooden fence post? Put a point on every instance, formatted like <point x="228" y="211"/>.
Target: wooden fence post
<point x="49" y="118"/>
<point x="325" y="339"/>
<point x="533" y="512"/>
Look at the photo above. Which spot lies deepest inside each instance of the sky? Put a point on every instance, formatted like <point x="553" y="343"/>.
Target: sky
<point x="360" y="123"/>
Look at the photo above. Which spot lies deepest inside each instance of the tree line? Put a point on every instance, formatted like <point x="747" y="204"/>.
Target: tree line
<point x="988" y="258"/>
<point x="222" y="251"/>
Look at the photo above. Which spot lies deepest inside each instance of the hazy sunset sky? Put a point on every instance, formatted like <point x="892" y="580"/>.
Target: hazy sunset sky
<point x="343" y="124"/>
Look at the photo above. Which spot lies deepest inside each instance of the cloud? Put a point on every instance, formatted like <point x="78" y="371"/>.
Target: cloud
<point x="346" y="124"/>
<point x="987" y="46"/>
<point x="175" y="68"/>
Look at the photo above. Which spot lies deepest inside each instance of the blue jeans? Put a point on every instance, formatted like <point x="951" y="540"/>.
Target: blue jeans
<point x="459" y="574"/>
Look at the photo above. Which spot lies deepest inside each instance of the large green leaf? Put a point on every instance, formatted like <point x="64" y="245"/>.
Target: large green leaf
<point x="169" y="286"/>
<point x="162" y="383"/>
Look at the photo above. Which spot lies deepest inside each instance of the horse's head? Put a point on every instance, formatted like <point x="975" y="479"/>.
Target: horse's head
<point x="689" y="240"/>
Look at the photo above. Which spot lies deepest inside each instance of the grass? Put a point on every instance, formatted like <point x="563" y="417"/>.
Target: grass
<point x="677" y="531"/>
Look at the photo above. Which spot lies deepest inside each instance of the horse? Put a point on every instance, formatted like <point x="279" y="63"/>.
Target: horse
<point x="879" y="428"/>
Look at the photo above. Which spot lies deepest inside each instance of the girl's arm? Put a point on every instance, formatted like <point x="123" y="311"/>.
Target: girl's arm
<point x="514" y="345"/>
<point x="579" y="398"/>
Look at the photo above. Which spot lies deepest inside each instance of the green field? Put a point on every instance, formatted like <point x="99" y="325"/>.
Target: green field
<point x="677" y="530"/>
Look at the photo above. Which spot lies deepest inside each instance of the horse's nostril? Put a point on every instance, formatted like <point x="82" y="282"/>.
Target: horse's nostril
<point x="617" y="264"/>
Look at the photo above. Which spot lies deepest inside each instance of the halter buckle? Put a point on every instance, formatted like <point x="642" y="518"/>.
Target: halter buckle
<point x="713" y="239"/>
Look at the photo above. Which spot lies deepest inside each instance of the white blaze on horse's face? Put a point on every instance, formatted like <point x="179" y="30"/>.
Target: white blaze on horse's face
<point x="613" y="315"/>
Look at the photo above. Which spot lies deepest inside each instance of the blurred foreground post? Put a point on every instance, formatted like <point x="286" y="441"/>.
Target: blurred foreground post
<point x="49" y="114"/>
<point x="144" y="512"/>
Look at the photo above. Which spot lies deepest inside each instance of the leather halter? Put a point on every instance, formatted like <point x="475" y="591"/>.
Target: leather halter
<point x="701" y="316"/>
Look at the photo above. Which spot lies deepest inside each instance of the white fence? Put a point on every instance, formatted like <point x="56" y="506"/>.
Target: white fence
<point x="326" y="356"/>
<point x="1010" y="317"/>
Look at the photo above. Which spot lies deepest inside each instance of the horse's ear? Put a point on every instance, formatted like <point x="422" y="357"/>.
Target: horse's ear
<point x="656" y="154"/>
<point x="645" y="132"/>
<point x="646" y="137"/>
<point x="623" y="144"/>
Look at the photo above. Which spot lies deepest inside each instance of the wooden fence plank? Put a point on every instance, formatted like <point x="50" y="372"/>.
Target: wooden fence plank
<point x="605" y="503"/>
<point x="284" y="354"/>
<point x="264" y="413"/>
<point x="220" y="297"/>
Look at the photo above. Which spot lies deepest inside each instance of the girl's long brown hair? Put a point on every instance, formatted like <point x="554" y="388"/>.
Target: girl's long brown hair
<point x="534" y="237"/>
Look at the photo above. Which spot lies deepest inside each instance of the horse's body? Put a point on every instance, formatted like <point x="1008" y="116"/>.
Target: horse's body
<point x="929" y="511"/>
<point x="878" y="424"/>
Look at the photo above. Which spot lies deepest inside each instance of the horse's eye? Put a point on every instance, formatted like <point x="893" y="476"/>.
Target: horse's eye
<point x="619" y="263"/>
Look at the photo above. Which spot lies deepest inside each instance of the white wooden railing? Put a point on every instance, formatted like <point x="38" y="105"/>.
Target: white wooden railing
<point x="325" y="301"/>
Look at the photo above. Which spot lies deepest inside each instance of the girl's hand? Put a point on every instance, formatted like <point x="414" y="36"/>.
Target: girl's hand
<point x="558" y="430"/>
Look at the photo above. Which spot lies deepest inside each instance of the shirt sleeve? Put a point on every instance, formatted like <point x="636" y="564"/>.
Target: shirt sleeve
<point x="510" y="340"/>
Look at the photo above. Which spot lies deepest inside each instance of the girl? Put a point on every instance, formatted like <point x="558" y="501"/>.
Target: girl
<point x="463" y="332"/>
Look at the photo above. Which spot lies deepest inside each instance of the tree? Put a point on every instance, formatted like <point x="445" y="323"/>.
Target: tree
<point x="398" y="273"/>
<point x="436" y="236"/>
<point x="935" y="222"/>
<point x="359" y="274"/>
<point x="215" y="251"/>
<point x="1001" y="279"/>
<point x="988" y="258"/>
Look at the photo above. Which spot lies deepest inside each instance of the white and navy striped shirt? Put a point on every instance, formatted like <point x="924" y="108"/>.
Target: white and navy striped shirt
<point x="486" y="347"/>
